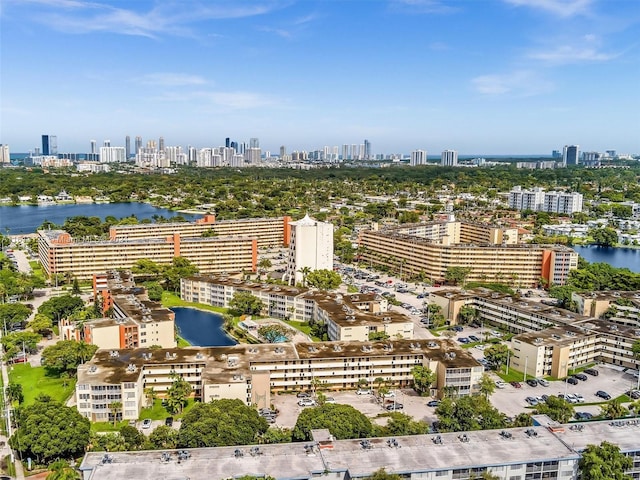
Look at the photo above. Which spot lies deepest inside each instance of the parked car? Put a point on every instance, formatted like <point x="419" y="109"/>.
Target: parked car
<point x="168" y="421"/>
<point x="634" y="394"/>
<point x="363" y="391"/>
<point x="458" y="328"/>
<point x="531" y="401"/>
<point x="602" y="394"/>
<point x="394" y="406"/>
<point x="532" y="382"/>
<point x="579" y="398"/>
<point x="473" y="338"/>
<point x="433" y="403"/>
<point x="500" y="384"/>
<point x="146" y="423"/>
<point x="389" y="394"/>
<point x="303" y="395"/>
<point x="592" y="371"/>
<point x="464" y="340"/>
<point x="543" y="382"/>
<point x="306" y="402"/>
<point x="583" y="416"/>
<point x="329" y="400"/>
<point x="571" y="380"/>
<point x="581" y="376"/>
<point x="516" y="384"/>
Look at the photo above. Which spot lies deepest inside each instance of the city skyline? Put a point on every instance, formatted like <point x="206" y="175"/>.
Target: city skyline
<point x="495" y="77"/>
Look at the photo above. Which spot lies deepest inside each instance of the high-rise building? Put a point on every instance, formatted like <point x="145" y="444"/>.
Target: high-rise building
<point x="138" y="144"/>
<point x="94" y="147"/>
<point x="354" y="152"/>
<point x="311" y="247"/>
<point x="345" y="152"/>
<point x="449" y="158"/>
<point x="283" y="152"/>
<point x="127" y="146"/>
<point x="106" y="143"/>
<point x="112" y="155"/>
<point x="418" y="157"/>
<point x="556" y="154"/>
<point x="367" y="149"/>
<point x="5" y="154"/>
<point x="161" y="144"/>
<point x="570" y="155"/>
<point x="227" y="142"/>
<point x="253" y="155"/>
<point x="254" y="143"/>
<point x="49" y="145"/>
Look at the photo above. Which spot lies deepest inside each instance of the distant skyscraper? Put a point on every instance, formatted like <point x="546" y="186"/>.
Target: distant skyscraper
<point x="254" y="143"/>
<point x="418" y="157"/>
<point x="367" y="149"/>
<point x="49" y="145"/>
<point x="570" y="155"/>
<point x="138" y="144"/>
<point x="345" y="152"/>
<point x="611" y="153"/>
<point x="354" y="152"/>
<point x="127" y="146"/>
<point x="556" y="154"/>
<point x="449" y="158"/>
<point x="227" y="142"/>
<point x="5" y="154"/>
<point x="94" y="146"/>
<point x="161" y="144"/>
<point x="106" y="143"/>
<point x="234" y="145"/>
<point x="283" y="151"/>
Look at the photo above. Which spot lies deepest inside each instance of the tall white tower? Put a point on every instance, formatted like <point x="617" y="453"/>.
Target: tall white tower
<point x="311" y="246"/>
<point x="418" y="157"/>
<point x="449" y="158"/>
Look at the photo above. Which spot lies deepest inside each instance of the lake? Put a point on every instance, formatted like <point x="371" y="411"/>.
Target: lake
<point x="616" y="257"/>
<point x="201" y="328"/>
<point x="27" y="218"/>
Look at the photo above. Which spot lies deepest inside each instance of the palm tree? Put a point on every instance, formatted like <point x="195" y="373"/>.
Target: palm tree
<point x="115" y="408"/>
<point x="304" y="271"/>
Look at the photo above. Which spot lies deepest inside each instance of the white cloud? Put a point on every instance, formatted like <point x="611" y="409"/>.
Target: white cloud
<point x="564" y="54"/>
<point x="423" y="6"/>
<point x="522" y="83"/>
<point x="167" y="79"/>
<point x="562" y="8"/>
<point x="238" y="100"/>
<point x="278" y="31"/>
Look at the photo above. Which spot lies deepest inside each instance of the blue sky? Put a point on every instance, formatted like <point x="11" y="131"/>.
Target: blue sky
<point x="478" y="76"/>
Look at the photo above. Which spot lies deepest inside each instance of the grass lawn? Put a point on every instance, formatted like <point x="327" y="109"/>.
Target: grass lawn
<point x="108" y="426"/>
<point x="35" y="381"/>
<point x="158" y="412"/>
<point x="182" y="342"/>
<point x="303" y="327"/>
<point x="512" y="376"/>
<point x="172" y="300"/>
<point x="36" y="269"/>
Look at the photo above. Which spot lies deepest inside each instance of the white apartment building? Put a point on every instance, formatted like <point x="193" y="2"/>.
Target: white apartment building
<point x="418" y="157"/>
<point x="449" y="158"/>
<point x="112" y="155"/>
<point x="311" y="246"/>
<point x="537" y="200"/>
<point x="5" y="154"/>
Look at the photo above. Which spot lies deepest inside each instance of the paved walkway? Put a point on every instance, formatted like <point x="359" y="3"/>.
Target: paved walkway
<point x="5" y="449"/>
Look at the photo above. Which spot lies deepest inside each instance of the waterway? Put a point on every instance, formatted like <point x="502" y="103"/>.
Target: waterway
<point x="201" y="328"/>
<point x="616" y="257"/>
<point x="23" y="219"/>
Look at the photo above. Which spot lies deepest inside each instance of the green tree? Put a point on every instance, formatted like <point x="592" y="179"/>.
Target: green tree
<point x="75" y="290"/>
<point x="115" y="411"/>
<point x="41" y="324"/>
<point x="467" y="314"/>
<point x="154" y="291"/>
<point x="557" y="409"/>
<point x="180" y="267"/>
<point x="220" y="423"/>
<point x="497" y="355"/>
<point x="343" y="421"/>
<point x="13" y="314"/>
<point x="635" y="350"/>
<point x="14" y="392"/>
<point x="48" y="430"/>
<point x="277" y="435"/>
<point x="604" y="237"/>
<point x="245" y="303"/>
<point x="382" y="474"/>
<point x="57" y="308"/>
<point x="163" y="438"/>
<point x="403" y="424"/>
<point x="522" y="420"/>
<point x="614" y="409"/>
<point x="305" y="271"/>
<point x="66" y="355"/>
<point x="324" y="279"/>
<point x="61" y="470"/>
<point x="16" y="342"/>
<point x="178" y="393"/>
<point x="147" y="269"/>
<point x="423" y="378"/>
<point x="468" y="413"/>
<point x="604" y="462"/>
<point x="487" y="385"/>
<point x="456" y="275"/>
<point x="133" y="438"/>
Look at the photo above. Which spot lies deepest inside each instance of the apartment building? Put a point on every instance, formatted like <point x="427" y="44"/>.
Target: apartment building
<point x="348" y="317"/>
<point x="537" y="199"/>
<point x="252" y="373"/>
<point x="622" y="308"/>
<point x="134" y="320"/>
<point x="407" y="253"/>
<point x="60" y="253"/>
<point x="523" y="453"/>
<point x="267" y="231"/>
<point x="311" y="247"/>
<point x="551" y="341"/>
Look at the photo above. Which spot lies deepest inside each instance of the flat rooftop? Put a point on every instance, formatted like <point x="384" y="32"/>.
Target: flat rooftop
<point x="408" y="454"/>
<point x="283" y="290"/>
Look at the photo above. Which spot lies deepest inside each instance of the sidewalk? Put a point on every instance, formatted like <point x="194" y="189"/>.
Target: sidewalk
<point x="6" y="450"/>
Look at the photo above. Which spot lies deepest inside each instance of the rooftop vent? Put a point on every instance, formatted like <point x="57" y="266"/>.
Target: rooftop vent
<point x="432" y="345"/>
<point x="114" y="354"/>
<point x="199" y="356"/>
<point x="366" y="444"/>
<point x="463" y="438"/>
<point x="93" y="369"/>
<point x="279" y="350"/>
<point x="437" y="440"/>
<point x="392" y="442"/>
<point x="131" y="368"/>
<point x="337" y="348"/>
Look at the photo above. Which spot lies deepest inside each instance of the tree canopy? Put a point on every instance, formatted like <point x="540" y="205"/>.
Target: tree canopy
<point x="48" y="430"/>
<point x="604" y="462"/>
<point x="57" y="308"/>
<point x="66" y="355"/>
<point x="468" y="413"/>
<point x="343" y="421"/>
<point x="220" y="423"/>
<point x="324" y="279"/>
<point x="245" y="303"/>
<point x="12" y="314"/>
<point x="556" y="408"/>
<point x="496" y="355"/>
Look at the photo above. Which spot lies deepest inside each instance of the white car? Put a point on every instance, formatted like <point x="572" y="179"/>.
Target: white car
<point x="543" y="382"/>
<point x="579" y="398"/>
<point x="363" y="391"/>
<point x="390" y="394"/>
<point x="501" y="384"/>
<point x="306" y="402"/>
<point x="330" y="400"/>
